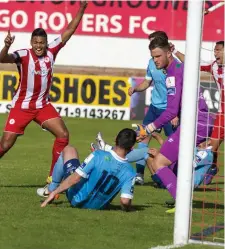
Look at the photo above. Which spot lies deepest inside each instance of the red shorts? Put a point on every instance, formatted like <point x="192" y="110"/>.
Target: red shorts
<point x="218" y="128"/>
<point x="18" y="119"/>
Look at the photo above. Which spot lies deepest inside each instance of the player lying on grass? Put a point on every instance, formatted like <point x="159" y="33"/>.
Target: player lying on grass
<point x="216" y="68"/>
<point x="94" y="183"/>
<point x="162" y="55"/>
<point x="202" y="159"/>
<point x="31" y="99"/>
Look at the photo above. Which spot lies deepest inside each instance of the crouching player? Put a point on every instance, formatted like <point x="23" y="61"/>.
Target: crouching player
<point x="94" y="183"/>
<point x="161" y="53"/>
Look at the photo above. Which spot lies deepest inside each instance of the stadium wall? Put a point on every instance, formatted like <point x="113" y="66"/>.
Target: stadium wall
<point x="95" y="51"/>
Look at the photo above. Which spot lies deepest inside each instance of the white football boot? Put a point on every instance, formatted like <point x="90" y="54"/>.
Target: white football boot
<point x="139" y="179"/>
<point x="43" y="192"/>
<point x="100" y="141"/>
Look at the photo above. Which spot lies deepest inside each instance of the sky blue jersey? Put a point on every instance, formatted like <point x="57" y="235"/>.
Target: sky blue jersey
<point x="104" y="175"/>
<point x="159" y="92"/>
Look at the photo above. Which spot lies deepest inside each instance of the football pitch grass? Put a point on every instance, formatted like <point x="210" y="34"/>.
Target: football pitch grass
<point x="25" y="225"/>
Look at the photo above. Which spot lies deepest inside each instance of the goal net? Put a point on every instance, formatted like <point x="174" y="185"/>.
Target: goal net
<point x="200" y="210"/>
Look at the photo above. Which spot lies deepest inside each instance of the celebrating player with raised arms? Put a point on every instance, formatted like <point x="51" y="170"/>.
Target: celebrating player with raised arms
<point x="94" y="183"/>
<point x="31" y="99"/>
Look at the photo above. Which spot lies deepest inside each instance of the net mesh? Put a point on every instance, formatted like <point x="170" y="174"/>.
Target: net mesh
<point x="207" y="221"/>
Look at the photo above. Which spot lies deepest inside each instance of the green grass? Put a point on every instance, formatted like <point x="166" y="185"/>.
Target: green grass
<point x="25" y="225"/>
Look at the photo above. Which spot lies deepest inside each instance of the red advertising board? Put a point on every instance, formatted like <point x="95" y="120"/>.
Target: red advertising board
<point x="132" y="19"/>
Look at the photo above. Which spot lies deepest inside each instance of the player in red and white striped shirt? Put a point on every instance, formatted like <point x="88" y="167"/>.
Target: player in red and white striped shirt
<point x="31" y="99"/>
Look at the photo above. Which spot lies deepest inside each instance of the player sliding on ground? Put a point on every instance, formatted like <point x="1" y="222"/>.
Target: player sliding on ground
<point x="94" y="183"/>
<point x="31" y="99"/>
<point x="162" y="56"/>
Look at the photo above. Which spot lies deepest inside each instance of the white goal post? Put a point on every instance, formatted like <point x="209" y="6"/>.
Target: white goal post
<point x="191" y="85"/>
<point x="188" y="121"/>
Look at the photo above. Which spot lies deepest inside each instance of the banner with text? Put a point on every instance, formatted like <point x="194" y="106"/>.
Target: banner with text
<point x="133" y="19"/>
<point x="82" y="96"/>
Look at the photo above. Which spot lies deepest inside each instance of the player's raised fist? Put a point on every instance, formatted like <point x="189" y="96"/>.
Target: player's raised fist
<point x="206" y="12"/>
<point x="172" y="47"/>
<point x="9" y="39"/>
<point x="83" y="3"/>
<point x="130" y="91"/>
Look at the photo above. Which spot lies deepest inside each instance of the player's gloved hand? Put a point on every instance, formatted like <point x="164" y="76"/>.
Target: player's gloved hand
<point x="142" y="131"/>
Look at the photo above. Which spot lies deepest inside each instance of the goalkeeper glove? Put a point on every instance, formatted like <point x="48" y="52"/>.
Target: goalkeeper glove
<point x="142" y="131"/>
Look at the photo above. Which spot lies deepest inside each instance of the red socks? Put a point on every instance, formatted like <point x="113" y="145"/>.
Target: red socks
<point x="59" y="145"/>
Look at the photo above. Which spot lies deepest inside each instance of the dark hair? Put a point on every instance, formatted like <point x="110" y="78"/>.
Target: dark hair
<point x="126" y="139"/>
<point x="39" y="32"/>
<point x="159" y="42"/>
<point x="158" y="34"/>
<point x="220" y="43"/>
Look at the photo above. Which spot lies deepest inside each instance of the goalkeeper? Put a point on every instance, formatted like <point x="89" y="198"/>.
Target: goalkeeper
<point x="158" y="104"/>
<point x="168" y="155"/>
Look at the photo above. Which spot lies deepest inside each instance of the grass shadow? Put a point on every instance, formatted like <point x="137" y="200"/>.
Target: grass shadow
<point x="208" y="189"/>
<point x="134" y="208"/>
<point x="21" y="186"/>
<point x="207" y="205"/>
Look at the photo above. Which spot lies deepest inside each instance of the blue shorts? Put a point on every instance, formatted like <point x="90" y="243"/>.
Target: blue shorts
<point x="152" y="114"/>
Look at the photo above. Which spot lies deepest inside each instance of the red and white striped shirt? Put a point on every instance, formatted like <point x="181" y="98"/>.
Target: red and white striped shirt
<point x="218" y="75"/>
<point x="35" y="76"/>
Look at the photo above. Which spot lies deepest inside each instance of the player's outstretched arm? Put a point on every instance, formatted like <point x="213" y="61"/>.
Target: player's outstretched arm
<point x="214" y="7"/>
<point x="5" y="57"/>
<point x="67" y="183"/>
<point x="71" y="28"/>
<point x="140" y="88"/>
<point x="180" y="56"/>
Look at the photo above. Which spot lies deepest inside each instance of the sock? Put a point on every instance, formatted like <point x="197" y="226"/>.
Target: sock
<point x="2" y="152"/>
<point x="62" y="170"/>
<point x="59" y="145"/>
<point x="168" y="179"/>
<point x="137" y="155"/>
<point x="157" y="180"/>
<point x="140" y="165"/>
<point x="70" y="166"/>
<point x="57" y="174"/>
<point x="173" y="167"/>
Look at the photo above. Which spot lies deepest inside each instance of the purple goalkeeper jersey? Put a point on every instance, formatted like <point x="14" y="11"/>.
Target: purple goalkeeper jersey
<point x="174" y="85"/>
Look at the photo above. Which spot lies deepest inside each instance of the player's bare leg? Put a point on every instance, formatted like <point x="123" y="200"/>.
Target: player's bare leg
<point x="157" y="182"/>
<point x="7" y="141"/>
<point x="58" y="128"/>
<point x="67" y="156"/>
<point x="69" y="152"/>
